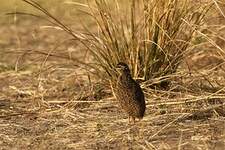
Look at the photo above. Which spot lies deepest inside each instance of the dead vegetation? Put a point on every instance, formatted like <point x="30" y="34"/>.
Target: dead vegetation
<point x="50" y="98"/>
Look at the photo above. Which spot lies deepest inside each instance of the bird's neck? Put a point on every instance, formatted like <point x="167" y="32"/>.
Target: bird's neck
<point x="125" y="77"/>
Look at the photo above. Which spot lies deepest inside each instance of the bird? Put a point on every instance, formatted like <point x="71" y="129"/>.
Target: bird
<point x="129" y="93"/>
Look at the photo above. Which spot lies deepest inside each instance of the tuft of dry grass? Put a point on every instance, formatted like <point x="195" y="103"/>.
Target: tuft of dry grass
<point x="153" y="37"/>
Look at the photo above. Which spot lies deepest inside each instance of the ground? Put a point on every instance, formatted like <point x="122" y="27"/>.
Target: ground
<point x="56" y="104"/>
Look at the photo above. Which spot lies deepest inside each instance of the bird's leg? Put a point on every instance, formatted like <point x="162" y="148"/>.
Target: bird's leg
<point x="133" y="120"/>
<point x="129" y="119"/>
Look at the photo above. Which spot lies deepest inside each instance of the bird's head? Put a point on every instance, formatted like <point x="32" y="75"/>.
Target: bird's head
<point x="123" y="68"/>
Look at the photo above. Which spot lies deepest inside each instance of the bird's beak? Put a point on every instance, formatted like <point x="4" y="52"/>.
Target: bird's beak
<point x="118" y="68"/>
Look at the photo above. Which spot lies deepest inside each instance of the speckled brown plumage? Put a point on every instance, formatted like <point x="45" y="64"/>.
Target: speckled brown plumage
<point x="129" y="93"/>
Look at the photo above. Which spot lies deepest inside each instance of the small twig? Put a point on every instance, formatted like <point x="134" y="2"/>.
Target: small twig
<point x="17" y="114"/>
<point x="167" y="125"/>
<point x="180" y="140"/>
<point x="202" y="111"/>
<point x="61" y="102"/>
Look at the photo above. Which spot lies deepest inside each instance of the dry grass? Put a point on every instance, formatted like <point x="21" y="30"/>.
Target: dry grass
<point x="50" y="100"/>
<point x="153" y="37"/>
